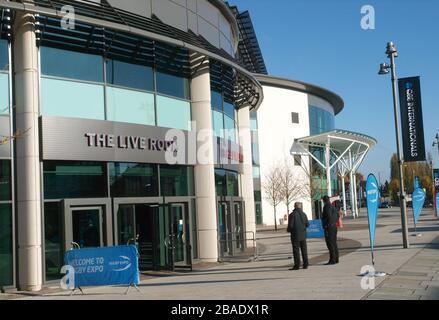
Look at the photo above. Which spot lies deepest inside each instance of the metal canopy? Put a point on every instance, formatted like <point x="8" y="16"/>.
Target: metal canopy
<point x="343" y="149"/>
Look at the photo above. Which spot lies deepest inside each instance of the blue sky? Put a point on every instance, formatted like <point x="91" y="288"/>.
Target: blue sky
<point x="322" y="42"/>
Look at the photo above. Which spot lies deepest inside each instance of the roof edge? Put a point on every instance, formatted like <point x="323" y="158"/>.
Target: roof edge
<point x="334" y="99"/>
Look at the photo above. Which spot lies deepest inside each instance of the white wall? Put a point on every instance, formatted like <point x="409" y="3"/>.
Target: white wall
<point x="276" y="137"/>
<point x="200" y="16"/>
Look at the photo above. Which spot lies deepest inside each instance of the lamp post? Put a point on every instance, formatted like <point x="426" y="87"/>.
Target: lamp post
<point x="392" y="53"/>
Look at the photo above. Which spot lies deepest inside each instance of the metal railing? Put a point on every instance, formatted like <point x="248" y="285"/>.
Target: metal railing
<point x="237" y="246"/>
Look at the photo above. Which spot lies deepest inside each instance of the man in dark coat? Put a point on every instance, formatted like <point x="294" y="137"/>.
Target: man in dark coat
<point x="329" y="221"/>
<point x="297" y="224"/>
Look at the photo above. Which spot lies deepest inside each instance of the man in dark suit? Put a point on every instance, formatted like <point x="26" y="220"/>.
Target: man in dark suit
<point x="329" y="221"/>
<point x="297" y="224"/>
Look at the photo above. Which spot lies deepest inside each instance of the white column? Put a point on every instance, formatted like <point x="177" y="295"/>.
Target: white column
<point x="355" y="195"/>
<point x="247" y="191"/>
<point x="328" y="168"/>
<point x="205" y="171"/>
<point x="344" y="193"/>
<point x="27" y="154"/>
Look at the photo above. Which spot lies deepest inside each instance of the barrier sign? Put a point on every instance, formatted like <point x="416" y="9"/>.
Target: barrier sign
<point x="104" y="266"/>
<point x="315" y="229"/>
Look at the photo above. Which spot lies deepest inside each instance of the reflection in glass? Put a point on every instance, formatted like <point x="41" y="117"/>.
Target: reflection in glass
<point x="232" y="183"/>
<point x="4" y="55"/>
<point x="177" y="181"/>
<point x="6" y="262"/>
<point x="133" y="180"/>
<point x="130" y="106"/>
<point x="216" y="100"/>
<point x="71" y="65"/>
<point x="218" y="124"/>
<point x="70" y="179"/>
<point x="220" y="182"/>
<point x="4" y="93"/>
<point x="172" y="85"/>
<point x="173" y="113"/>
<point x="130" y="75"/>
<point x="53" y="240"/>
<point x="5" y="180"/>
<point x="72" y="99"/>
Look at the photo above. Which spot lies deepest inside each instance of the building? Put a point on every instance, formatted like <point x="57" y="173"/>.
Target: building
<point x="122" y="122"/>
<point x="128" y="122"/>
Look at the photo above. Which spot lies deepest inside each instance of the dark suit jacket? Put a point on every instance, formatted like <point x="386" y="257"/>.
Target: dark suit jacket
<point x="297" y="224"/>
<point x="329" y="216"/>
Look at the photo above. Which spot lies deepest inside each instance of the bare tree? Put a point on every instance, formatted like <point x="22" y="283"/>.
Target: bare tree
<point x="7" y="139"/>
<point x="293" y="186"/>
<point x="272" y="189"/>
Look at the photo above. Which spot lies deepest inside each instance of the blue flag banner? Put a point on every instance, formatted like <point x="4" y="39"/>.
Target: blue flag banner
<point x="315" y="229"/>
<point x="104" y="266"/>
<point x="437" y="205"/>
<point x="418" y="200"/>
<point x="373" y="195"/>
<point x="417" y="183"/>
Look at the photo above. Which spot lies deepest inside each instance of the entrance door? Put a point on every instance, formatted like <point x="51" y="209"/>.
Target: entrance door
<point x="225" y="229"/>
<point x="239" y="235"/>
<point x="180" y="233"/>
<point x="87" y="229"/>
<point x="138" y="224"/>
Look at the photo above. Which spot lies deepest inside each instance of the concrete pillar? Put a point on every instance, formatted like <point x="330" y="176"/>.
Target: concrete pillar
<point x="27" y="154"/>
<point x="247" y="188"/>
<point x="356" y="195"/>
<point x="328" y="168"/>
<point x="205" y="171"/>
<point x="343" y="187"/>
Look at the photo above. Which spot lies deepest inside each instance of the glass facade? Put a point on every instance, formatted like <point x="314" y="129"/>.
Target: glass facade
<point x="320" y="120"/>
<point x="53" y="240"/>
<point x="91" y="87"/>
<point x="223" y="117"/>
<point x="226" y="183"/>
<point x="133" y="180"/>
<point x="6" y="225"/>
<point x="177" y="181"/>
<point x="70" y="180"/>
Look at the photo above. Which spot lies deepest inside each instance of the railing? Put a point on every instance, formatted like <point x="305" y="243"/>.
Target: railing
<point x="237" y="246"/>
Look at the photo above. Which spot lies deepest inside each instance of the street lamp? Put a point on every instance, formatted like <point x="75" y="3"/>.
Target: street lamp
<point x="392" y="53"/>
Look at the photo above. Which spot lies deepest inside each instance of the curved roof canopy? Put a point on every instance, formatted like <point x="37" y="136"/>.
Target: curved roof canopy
<point x="334" y="99"/>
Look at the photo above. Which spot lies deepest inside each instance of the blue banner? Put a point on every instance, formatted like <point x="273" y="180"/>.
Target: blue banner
<point x="437" y="205"/>
<point x="418" y="200"/>
<point x="373" y="196"/>
<point x="104" y="266"/>
<point x="315" y="229"/>
<point x="417" y="183"/>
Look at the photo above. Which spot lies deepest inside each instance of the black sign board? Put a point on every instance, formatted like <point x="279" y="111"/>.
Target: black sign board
<point x="436" y="180"/>
<point x="411" y="118"/>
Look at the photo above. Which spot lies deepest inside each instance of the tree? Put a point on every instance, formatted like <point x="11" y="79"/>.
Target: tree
<point x="272" y="188"/>
<point x="293" y="186"/>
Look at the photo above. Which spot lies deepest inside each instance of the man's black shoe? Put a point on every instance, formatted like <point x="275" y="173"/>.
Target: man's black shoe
<point x="330" y="263"/>
<point x="294" y="268"/>
<point x="305" y="266"/>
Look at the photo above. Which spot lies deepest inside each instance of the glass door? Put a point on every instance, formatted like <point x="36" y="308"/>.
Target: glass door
<point x="239" y="235"/>
<point x="225" y="229"/>
<point x="87" y="227"/>
<point x="179" y="219"/>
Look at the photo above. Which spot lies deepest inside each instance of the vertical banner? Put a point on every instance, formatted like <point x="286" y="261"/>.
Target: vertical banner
<point x="437" y="205"/>
<point x="418" y="200"/>
<point x="417" y="183"/>
<point x="411" y="119"/>
<point x="372" y="197"/>
<point x="436" y="189"/>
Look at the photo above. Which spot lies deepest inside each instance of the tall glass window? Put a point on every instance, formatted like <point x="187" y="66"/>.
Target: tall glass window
<point x="4" y="77"/>
<point x="53" y="240"/>
<point x="223" y="117"/>
<point x="74" y="179"/>
<point x="6" y="253"/>
<point x="129" y="75"/>
<point x="5" y="180"/>
<point x="177" y="181"/>
<point x="320" y="120"/>
<point x="133" y="180"/>
<point x="226" y="183"/>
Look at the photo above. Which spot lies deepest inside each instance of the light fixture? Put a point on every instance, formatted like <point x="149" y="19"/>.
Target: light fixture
<point x="384" y="69"/>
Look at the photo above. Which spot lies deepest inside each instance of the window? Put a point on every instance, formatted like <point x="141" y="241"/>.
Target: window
<point x="232" y="183"/>
<point x="230" y="130"/>
<point x="71" y="65"/>
<point x="218" y="124"/>
<point x="5" y="180"/>
<point x="130" y="75"/>
<point x="320" y="120"/>
<point x="177" y="181"/>
<point x="70" y="179"/>
<point x="229" y="110"/>
<point x="298" y="160"/>
<point x="4" y="93"/>
<point x="54" y="246"/>
<point x="217" y="100"/>
<point x="227" y="183"/>
<point x="173" y="113"/>
<point x="295" y="117"/>
<point x="220" y="182"/>
<point x="173" y="85"/>
<point x="133" y="180"/>
<point x="72" y="99"/>
<point x="6" y="258"/>
<point x="4" y="55"/>
<point x="130" y="106"/>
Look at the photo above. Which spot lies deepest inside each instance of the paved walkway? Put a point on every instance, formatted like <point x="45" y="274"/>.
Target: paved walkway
<point x="414" y="271"/>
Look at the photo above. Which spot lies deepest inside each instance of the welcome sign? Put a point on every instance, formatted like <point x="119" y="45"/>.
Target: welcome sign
<point x="411" y="118"/>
